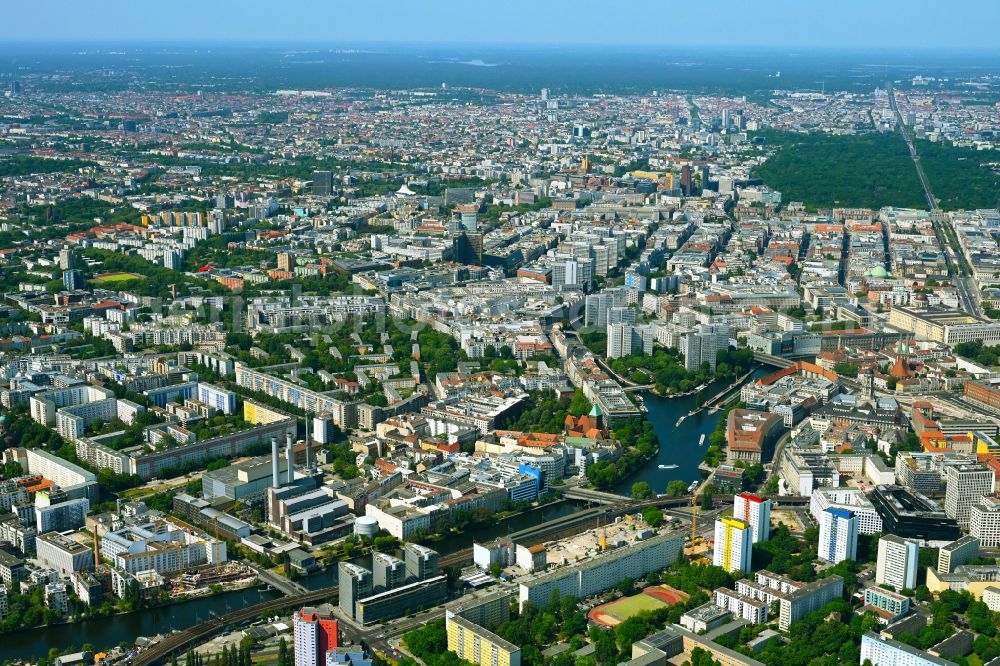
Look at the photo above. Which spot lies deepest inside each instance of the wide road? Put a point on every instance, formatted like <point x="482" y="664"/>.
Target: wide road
<point x="931" y="200"/>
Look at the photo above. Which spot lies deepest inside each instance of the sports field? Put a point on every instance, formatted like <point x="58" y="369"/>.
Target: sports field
<point x="619" y="610"/>
<point x="117" y="277"/>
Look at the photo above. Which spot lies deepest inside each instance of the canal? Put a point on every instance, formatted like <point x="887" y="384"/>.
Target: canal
<point x="678" y="449"/>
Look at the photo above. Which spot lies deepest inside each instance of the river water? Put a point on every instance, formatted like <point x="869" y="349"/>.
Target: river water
<point x="678" y="446"/>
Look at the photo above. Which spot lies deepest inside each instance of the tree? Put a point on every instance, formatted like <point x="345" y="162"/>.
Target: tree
<point x="652" y="516"/>
<point x="642" y="491"/>
<point x="283" y="652"/>
<point x="626" y="585"/>
<point x="677" y="488"/>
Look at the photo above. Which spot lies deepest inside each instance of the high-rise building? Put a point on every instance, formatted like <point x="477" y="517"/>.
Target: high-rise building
<point x="703" y="345"/>
<point x="984" y="521"/>
<point x="355" y="583"/>
<point x="172" y="259"/>
<point x="757" y="512"/>
<point x="838" y="535"/>
<point x="686" y="179"/>
<point x="958" y="552"/>
<point x="421" y="562"/>
<point x="322" y="183"/>
<point x="467" y="248"/>
<point x="67" y="260"/>
<point x="544" y="96"/>
<point x="626" y="339"/>
<point x="897" y="562"/>
<point x="966" y="484"/>
<point x="388" y="572"/>
<point x="72" y="280"/>
<point x="315" y="633"/>
<point x="286" y="261"/>
<point x="733" y="545"/>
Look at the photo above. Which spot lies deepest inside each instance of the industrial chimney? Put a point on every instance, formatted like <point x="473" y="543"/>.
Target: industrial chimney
<point x="289" y="455"/>
<point x="310" y="465"/>
<point x="275" y="464"/>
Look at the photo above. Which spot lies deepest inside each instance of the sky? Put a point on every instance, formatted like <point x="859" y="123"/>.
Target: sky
<point x="849" y="24"/>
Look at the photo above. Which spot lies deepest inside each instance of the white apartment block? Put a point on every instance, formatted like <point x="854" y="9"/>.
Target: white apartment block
<point x="984" y="522"/>
<point x="897" y="562"/>
<point x="850" y="499"/>
<point x="757" y="512"/>
<point x="838" y="536"/>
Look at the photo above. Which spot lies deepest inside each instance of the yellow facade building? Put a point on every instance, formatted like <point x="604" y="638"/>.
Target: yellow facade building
<point x="478" y="645"/>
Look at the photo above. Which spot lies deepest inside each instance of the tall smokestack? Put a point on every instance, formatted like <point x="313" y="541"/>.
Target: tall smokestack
<point x="309" y="448"/>
<point x="275" y="464"/>
<point x="289" y="454"/>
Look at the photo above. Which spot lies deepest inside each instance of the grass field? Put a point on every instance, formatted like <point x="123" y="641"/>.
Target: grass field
<point x="629" y="606"/>
<point x="616" y="612"/>
<point x="106" y="278"/>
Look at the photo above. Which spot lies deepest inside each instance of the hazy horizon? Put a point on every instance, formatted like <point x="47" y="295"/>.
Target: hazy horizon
<point x="849" y="25"/>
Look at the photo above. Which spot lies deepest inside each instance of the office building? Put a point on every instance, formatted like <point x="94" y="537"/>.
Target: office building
<point x="965" y="485"/>
<point x="315" y="633"/>
<point x="955" y="554"/>
<point x="756" y="511"/>
<point x="733" y="545"/>
<point x="887" y="652"/>
<point x="401" y="601"/>
<point x="838" y="535"/>
<point x="910" y="514"/>
<point x="355" y="583"/>
<point x="477" y="645"/>
<point x="897" y="562"/>
<point x="421" y="562"/>
<point x="984" y="521"/>
<point x="388" y="572"/>
<point x="322" y="185"/>
<point x="467" y="248"/>
<point x="61" y="517"/>
<point x="63" y="554"/>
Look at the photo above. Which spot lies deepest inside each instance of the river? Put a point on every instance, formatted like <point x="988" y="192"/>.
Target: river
<point x="678" y="444"/>
<point x="107" y="632"/>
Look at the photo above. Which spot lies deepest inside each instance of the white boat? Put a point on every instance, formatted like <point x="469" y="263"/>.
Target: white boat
<point x="701" y="442"/>
<point x="668" y="466"/>
<point x="693" y="486"/>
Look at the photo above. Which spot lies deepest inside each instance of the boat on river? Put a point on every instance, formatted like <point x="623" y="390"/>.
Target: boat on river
<point x="667" y="466"/>
<point x="701" y="442"/>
